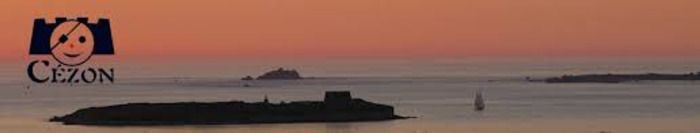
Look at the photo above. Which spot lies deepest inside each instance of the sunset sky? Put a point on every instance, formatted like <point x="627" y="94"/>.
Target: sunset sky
<point x="374" y="28"/>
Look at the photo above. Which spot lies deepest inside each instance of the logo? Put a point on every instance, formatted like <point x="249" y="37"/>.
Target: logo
<point x="70" y="43"/>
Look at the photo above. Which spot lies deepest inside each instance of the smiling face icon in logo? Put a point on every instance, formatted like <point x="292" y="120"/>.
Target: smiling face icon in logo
<point x="72" y="43"/>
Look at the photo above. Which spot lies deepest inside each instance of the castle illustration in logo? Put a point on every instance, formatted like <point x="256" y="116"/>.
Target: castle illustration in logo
<point x="71" y="42"/>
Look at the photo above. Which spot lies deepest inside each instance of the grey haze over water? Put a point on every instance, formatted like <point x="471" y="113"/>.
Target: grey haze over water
<point x="436" y="91"/>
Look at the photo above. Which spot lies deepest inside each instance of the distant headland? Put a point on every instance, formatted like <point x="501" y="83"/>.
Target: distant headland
<point x="617" y="78"/>
<point x="338" y="106"/>
<point x="279" y="74"/>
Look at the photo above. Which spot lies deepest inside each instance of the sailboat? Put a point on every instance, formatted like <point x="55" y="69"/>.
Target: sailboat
<point x="479" y="104"/>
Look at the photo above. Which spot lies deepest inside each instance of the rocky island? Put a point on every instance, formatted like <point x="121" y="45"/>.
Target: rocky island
<point x="617" y="78"/>
<point x="279" y="74"/>
<point x="337" y="106"/>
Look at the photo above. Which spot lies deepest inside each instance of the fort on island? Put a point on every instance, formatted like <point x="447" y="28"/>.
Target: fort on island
<point x="337" y="106"/>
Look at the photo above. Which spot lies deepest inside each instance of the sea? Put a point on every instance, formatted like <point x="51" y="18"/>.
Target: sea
<point x="438" y="92"/>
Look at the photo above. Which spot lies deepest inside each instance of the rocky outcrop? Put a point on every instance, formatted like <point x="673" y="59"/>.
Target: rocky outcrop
<point x="247" y="78"/>
<point x="280" y="74"/>
<point x="617" y="78"/>
<point x="337" y="107"/>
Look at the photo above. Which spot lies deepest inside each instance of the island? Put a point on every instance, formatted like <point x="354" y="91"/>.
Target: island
<point x="247" y="78"/>
<point x="337" y="106"/>
<point x="279" y="74"/>
<point x="617" y="78"/>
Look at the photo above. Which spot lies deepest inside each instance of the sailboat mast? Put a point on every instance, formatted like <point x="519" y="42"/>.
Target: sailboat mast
<point x="479" y="101"/>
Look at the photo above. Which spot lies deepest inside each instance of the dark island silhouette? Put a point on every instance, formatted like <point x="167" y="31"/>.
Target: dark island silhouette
<point x="618" y="78"/>
<point x="338" y="106"/>
<point x="279" y="74"/>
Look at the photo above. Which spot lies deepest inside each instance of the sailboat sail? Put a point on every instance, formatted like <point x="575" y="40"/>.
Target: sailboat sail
<point x="479" y="102"/>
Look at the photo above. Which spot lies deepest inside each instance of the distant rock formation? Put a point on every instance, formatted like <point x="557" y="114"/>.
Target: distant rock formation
<point x="338" y="106"/>
<point x="280" y="74"/>
<point x="617" y="78"/>
<point x="247" y="78"/>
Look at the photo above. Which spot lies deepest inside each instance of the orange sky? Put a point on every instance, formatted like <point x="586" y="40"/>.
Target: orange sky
<point x="375" y="28"/>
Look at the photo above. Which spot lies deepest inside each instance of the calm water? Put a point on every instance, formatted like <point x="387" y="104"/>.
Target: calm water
<point x="438" y="92"/>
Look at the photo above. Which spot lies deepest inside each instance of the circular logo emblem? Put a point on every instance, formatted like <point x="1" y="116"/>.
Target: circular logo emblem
<point x="72" y="43"/>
